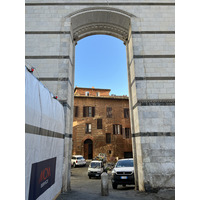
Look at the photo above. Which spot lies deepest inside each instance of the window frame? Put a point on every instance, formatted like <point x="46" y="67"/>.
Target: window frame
<point x="99" y="123"/>
<point x="109" y="112"/>
<point x="75" y="111"/>
<point x="127" y="132"/>
<point x="108" y="139"/>
<point x="117" y="129"/>
<point x="126" y="113"/>
<point x="88" y="128"/>
<point x="88" y="111"/>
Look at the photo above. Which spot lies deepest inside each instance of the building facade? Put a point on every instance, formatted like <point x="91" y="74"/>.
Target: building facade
<point x="147" y="29"/>
<point x="101" y="124"/>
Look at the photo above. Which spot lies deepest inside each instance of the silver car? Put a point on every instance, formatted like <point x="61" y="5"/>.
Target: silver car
<point x="123" y="173"/>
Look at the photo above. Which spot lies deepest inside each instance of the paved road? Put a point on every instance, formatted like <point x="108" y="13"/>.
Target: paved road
<point x="84" y="188"/>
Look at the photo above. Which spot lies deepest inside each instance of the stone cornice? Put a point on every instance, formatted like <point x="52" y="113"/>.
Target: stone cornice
<point x="100" y="28"/>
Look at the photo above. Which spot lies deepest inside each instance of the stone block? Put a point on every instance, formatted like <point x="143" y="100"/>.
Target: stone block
<point x="159" y="168"/>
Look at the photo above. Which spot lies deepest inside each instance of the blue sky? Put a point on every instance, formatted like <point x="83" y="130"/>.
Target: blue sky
<point x="100" y="62"/>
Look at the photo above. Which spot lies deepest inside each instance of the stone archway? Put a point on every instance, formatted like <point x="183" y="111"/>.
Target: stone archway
<point x="117" y="23"/>
<point x="101" y="20"/>
<point x="149" y="40"/>
<point x="113" y="22"/>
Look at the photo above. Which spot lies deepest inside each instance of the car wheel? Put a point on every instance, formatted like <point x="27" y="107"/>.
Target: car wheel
<point x="124" y="185"/>
<point x="74" y="165"/>
<point x="114" y="185"/>
<point x="89" y="177"/>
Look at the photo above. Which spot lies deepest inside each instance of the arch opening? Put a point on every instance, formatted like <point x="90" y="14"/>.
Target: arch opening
<point x="113" y="23"/>
<point x="100" y="21"/>
<point x="88" y="149"/>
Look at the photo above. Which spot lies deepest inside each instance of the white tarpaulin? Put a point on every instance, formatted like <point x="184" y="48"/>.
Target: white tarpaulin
<point x="44" y="141"/>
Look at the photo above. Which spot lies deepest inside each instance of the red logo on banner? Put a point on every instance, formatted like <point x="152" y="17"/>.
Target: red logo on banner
<point x="45" y="173"/>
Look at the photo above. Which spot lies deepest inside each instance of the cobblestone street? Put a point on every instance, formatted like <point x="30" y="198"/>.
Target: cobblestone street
<point x="89" y="189"/>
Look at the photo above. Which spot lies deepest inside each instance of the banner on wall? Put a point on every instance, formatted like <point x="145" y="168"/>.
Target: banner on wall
<point x="42" y="177"/>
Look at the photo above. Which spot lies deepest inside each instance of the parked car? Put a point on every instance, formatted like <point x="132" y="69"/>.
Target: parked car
<point x="78" y="160"/>
<point x="123" y="173"/>
<point x="95" y="169"/>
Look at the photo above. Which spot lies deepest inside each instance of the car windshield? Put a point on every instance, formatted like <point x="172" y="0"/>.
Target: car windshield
<point x="124" y="163"/>
<point x="95" y="165"/>
<point x="79" y="158"/>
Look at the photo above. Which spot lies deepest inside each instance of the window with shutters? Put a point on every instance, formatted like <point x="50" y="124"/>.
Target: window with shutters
<point x="126" y="113"/>
<point x="127" y="133"/>
<point x="88" y="111"/>
<point x="98" y="94"/>
<point x="75" y="111"/>
<point x="117" y="129"/>
<point x="88" y="128"/>
<point x="99" y="123"/>
<point x="109" y="112"/>
<point x="108" y="138"/>
<point x="87" y="93"/>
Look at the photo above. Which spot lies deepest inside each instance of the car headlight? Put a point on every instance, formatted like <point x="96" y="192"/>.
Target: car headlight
<point x="113" y="172"/>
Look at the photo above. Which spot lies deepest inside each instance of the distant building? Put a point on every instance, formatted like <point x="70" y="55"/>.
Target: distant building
<point x="101" y="124"/>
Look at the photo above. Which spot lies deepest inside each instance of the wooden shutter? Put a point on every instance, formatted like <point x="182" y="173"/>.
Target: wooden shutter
<point x="84" y="111"/>
<point x="87" y="111"/>
<point x="93" y="111"/>
<point x="124" y="132"/>
<point x="109" y="112"/>
<point x="75" y="111"/>
<point x="108" y="138"/>
<point x="86" y="128"/>
<point x="121" y="129"/>
<point x="126" y="113"/>
<point x="114" y="129"/>
<point x="99" y="123"/>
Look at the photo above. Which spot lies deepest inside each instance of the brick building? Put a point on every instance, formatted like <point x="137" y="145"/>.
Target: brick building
<point x="101" y="124"/>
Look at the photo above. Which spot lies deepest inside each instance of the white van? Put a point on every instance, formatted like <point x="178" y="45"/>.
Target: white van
<point x="95" y="169"/>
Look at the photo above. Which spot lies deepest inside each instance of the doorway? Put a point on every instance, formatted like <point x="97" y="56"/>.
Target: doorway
<point x="88" y="149"/>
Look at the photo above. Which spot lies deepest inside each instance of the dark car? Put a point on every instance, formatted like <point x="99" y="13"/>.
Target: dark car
<point x="123" y="173"/>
